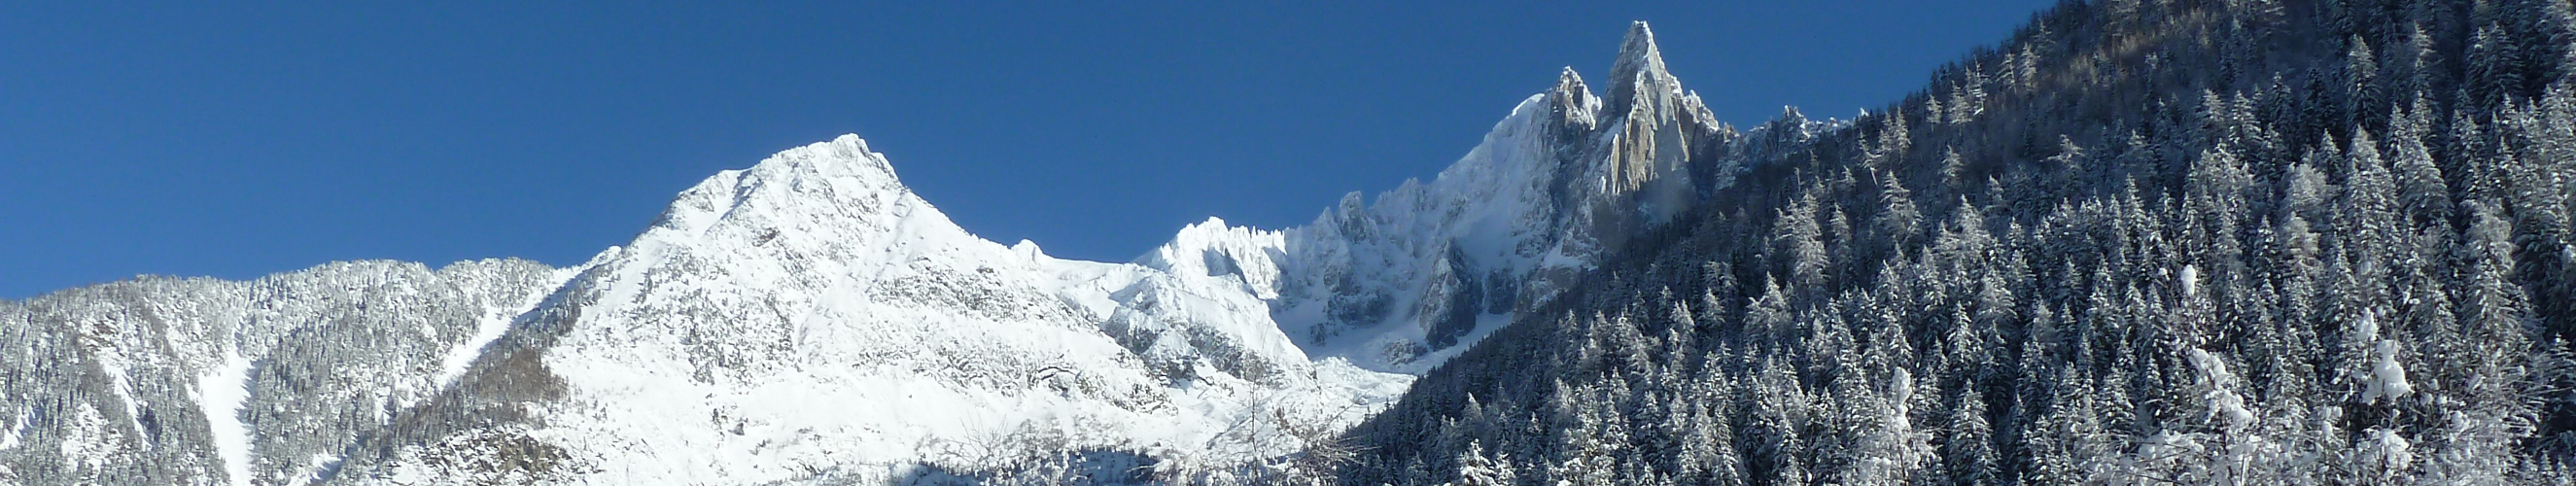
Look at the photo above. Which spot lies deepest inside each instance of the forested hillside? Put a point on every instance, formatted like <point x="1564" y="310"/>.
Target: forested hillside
<point x="170" y="381"/>
<point x="2139" y="242"/>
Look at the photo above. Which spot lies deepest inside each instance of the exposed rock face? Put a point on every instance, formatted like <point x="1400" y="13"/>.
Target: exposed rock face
<point x="1403" y="283"/>
<point x="1665" y="137"/>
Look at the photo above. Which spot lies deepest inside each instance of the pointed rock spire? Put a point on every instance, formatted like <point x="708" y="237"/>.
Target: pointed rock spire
<point x="1640" y="67"/>
<point x="1649" y="144"/>
<point x="1571" y="104"/>
<point x="1568" y="83"/>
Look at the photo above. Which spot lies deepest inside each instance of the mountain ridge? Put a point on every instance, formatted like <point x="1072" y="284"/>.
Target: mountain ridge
<point x="811" y="319"/>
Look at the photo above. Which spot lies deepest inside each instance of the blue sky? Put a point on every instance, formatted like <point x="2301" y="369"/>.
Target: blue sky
<point x="237" y="140"/>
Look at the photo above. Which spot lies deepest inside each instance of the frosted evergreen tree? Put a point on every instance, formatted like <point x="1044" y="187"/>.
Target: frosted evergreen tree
<point x="2422" y="193"/>
<point x="1800" y="243"/>
<point x="1475" y="469"/>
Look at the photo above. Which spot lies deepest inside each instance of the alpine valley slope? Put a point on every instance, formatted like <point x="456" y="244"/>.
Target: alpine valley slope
<point x="811" y="320"/>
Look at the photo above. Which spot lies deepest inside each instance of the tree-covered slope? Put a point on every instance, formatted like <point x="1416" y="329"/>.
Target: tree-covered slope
<point x="159" y="380"/>
<point x="2139" y="242"/>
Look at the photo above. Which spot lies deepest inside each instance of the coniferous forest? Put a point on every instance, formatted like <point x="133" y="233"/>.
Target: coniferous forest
<point x="2139" y="242"/>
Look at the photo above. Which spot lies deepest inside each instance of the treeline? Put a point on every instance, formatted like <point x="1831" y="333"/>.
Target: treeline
<point x="2142" y="242"/>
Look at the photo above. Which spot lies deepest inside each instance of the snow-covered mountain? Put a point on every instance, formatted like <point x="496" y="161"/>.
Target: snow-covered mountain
<point x="810" y="314"/>
<point x="812" y="320"/>
<point x="1402" y="284"/>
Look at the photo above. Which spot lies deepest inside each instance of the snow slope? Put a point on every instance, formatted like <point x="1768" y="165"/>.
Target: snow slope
<point x="221" y="394"/>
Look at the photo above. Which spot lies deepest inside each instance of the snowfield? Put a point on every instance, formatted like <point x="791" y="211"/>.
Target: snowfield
<point x="222" y="393"/>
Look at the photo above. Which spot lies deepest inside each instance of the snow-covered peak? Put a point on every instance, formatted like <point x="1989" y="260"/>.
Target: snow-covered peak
<point x="1213" y="249"/>
<point x="735" y="339"/>
<point x="1402" y="282"/>
<point x="841" y="177"/>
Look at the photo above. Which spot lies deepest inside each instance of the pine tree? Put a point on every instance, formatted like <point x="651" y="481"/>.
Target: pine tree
<point x="1953" y="172"/>
<point x="1893" y="139"/>
<point x="1897" y="217"/>
<point x="2370" y="212"/>
<point x="1965" y="240"/>
<point x="1768" y="319"/>
<point x="1800" y="244"/>
<point x="1475" y="469"/>
<point x="1776" y="448"/>
<point x="2493" y="310"/>
<point x="2363" y="94"/>
<point x="2422" y="194"/>
<point x="1967" y="449"/>
<point x="2494" y="71"/>
<point x="1889" y="449"/>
